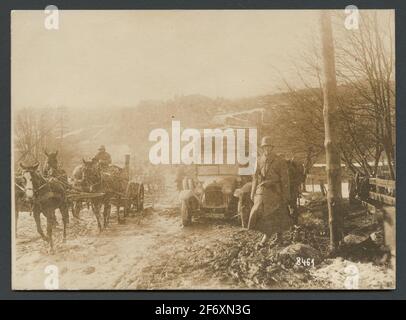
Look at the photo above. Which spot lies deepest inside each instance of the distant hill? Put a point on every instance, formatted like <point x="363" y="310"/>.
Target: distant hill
<point x="124" y="129"/>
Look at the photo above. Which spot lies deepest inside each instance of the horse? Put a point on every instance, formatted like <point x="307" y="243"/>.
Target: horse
<point x="45" y="196"/>
<point x="79" y="183"/>
<point x="297" y="177"/>
<point x="87" y="177"/>
<point x="52" y="169"/>
<point x="19" y="198"/>
<point x="114" y="183"/>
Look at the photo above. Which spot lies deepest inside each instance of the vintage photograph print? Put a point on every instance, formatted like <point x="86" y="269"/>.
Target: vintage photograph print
<point x="203" y="149"/>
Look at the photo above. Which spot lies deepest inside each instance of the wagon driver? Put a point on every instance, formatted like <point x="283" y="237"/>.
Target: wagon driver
<point x="102" y="157"/>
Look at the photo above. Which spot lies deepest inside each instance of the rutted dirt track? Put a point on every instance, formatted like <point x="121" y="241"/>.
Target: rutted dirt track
<point x="153" y="251"/>
<point x="135" y="255"/>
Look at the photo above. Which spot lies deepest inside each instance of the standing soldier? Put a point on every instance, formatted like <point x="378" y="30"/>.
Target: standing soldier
<point x="270" y="194"/>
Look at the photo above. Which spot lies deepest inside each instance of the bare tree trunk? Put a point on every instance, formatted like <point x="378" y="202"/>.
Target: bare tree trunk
<point x="378" y="152"/>
<point x="330" y="112"/>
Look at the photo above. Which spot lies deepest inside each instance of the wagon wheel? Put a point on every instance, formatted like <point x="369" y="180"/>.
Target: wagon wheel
<point x="131" y="197"/>
<point x="140" y="198"/>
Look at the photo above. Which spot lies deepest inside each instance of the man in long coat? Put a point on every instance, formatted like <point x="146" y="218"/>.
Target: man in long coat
<point x="270" y="194"/>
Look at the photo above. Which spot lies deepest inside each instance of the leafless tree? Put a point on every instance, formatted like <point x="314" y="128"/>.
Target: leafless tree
<point x="31" y="134"/>
<point x="366" y="95"/>
<point x="365" y="60"/>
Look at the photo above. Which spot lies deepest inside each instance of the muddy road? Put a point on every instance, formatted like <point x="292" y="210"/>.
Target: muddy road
<point x="140" y="254"/>
<point x="153" y="251"/>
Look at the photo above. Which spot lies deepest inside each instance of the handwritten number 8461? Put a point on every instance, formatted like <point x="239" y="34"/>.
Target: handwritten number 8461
<point x="309" y="262"/>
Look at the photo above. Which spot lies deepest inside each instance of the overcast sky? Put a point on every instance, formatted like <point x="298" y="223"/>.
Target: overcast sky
<point x="117" y="58"/>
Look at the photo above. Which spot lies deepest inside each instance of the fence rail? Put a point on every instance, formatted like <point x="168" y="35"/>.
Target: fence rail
<point x="383" y="183"/>
<point x="385" y="196"/>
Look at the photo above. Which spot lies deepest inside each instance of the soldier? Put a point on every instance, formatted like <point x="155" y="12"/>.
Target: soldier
<point x="102" y="157"/>
<point x="270" y="194"/>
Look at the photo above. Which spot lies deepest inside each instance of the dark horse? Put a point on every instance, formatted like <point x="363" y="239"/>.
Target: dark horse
<point x="19" y="199"/>
<point x="52" y="169"/>
<point x="111" y="182"/>
<point x="82" y="184"/>
<point x="297" y="177"/>
<point x="45" y="196"/>
<point x="87" y="177"/>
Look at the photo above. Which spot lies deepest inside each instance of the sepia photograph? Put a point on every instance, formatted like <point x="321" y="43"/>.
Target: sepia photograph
<point x="203" y="149"/>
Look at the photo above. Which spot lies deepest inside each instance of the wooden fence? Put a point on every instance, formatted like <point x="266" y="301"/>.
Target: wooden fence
<point x="383" y="191"/>
<point x="382" y="204"/>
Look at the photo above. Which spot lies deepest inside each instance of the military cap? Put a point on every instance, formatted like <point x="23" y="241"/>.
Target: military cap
<point x="266" y="141"/>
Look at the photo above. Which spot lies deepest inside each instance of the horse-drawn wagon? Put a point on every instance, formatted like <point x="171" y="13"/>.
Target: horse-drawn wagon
<point x="106" y="185"/>
<point x="44" y="191"/>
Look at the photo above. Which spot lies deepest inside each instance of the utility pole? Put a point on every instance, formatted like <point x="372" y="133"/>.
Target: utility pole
<point x="62" y="127"/>
<point x="333" y="157"/>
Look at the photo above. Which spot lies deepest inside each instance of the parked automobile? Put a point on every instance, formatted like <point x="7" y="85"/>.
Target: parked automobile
<point x="210" y="192"/>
